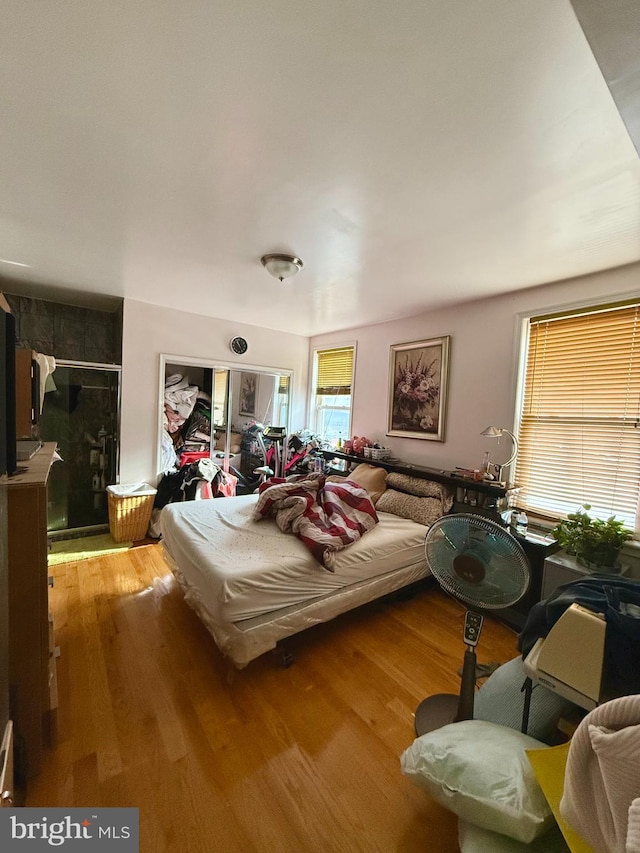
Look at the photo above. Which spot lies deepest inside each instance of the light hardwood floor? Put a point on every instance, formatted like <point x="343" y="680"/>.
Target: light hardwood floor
<point x="292" y="760"/>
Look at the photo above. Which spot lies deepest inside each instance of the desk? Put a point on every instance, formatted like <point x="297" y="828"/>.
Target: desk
<point x="537" y="548"/>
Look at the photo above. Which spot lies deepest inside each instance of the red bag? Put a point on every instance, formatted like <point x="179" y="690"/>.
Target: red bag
<point x="193" y="456"/>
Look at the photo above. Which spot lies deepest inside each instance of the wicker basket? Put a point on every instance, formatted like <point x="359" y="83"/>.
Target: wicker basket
<point x="380" y="453"/>
<point x="130" y="511"/>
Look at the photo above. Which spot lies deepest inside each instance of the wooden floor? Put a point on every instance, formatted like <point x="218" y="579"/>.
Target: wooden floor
<point x="293" y="760"/>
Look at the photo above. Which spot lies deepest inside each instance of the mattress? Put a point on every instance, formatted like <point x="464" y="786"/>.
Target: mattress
<point x="241" y="569"/>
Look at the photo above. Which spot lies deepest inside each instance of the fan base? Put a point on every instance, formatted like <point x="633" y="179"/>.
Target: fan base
<point x="436" y="711"/>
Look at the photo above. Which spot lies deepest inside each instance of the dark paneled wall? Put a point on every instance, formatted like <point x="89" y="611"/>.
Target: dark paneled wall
<point x="67" y="331"/>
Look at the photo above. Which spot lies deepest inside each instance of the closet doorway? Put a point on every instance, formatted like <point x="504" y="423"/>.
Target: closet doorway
<point x="237" y="397"/>
<point x="82" y="414"/>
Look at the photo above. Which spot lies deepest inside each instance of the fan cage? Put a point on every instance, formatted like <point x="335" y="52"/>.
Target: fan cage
<point x="506" y="567"/>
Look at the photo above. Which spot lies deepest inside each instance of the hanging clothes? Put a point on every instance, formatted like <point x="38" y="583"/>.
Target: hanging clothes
<point x="196" y="431"/>
<point x="180" y="395"/>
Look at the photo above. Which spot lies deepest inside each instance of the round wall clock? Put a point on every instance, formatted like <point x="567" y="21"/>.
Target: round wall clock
<point x="239" y="345"/>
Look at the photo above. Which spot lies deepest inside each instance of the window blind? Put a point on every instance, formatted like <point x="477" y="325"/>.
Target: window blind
<point x="283" y="384"/>
<point x="335" y="371"/>
<point x="579" y="429"/>
<point x="220" y="381"/>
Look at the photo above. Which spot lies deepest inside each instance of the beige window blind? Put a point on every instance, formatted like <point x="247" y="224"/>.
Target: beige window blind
<point x="335" y="371"/>
<point x="220" y="384"/>
<point x="580" y="423"/>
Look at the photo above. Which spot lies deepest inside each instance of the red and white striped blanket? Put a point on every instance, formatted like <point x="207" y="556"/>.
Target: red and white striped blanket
<point x="326" y="517"/>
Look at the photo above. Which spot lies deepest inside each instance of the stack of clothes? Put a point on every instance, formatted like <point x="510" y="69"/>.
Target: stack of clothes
<point x="196" y="480"/>
<point x="187" y="418"/>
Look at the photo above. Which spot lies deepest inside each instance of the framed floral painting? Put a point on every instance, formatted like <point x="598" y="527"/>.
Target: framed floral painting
<point x="418" y="373"/>
<point x="248" y="388"/>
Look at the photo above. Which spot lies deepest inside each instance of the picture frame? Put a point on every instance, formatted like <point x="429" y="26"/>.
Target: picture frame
<point x="248" y="390"/>
<point x="418" y="380"/>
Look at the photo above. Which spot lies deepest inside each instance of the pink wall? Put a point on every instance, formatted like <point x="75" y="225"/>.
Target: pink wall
<point x="482" y="374"/>
<point x="483" y="364"/>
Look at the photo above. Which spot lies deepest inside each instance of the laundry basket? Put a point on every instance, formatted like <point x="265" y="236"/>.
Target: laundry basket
<point x="130" y="509"/>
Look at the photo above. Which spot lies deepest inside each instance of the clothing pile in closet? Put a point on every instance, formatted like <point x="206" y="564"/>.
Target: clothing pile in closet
<point x="198" y="480"/>
<point x="195" y="480"/>
<point x="187" y="420"/>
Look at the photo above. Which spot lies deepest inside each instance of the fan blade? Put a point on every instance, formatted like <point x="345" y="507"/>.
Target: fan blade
<point x="456" y="536"/>
<point x="477" y="561"/>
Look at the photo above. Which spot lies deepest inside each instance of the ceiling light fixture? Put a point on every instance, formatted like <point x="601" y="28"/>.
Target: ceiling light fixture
<point x="281" y="266"/>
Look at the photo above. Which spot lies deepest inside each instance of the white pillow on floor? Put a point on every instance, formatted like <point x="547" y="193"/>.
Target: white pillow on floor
<point x="480" y="771"/>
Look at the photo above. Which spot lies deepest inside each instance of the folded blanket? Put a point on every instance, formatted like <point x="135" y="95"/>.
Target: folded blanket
<point x="602" y="778"/>
<point x="326" y="517"/>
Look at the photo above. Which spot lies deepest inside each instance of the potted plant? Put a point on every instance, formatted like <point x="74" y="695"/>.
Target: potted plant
<point x="595" y="543"/>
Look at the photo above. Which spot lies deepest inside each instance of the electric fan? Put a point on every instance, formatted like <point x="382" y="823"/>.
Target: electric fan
<point x="478" y="562"/>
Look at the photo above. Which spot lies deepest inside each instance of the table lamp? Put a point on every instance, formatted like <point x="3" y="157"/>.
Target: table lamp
<point x="498" y="432"/>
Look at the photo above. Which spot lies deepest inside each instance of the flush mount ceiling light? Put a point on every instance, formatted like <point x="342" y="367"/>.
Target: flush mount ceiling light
<point x="281" y="266"/>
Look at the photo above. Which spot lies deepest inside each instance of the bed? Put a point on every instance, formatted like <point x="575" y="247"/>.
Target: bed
<point x="253" y="585"/>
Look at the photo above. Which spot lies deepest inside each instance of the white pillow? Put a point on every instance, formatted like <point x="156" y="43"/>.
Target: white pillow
<point x="480" y="771"/>
<point x="474" y="839"/>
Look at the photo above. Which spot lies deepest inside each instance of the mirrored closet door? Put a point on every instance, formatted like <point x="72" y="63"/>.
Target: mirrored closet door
<point x="218" y="410"/>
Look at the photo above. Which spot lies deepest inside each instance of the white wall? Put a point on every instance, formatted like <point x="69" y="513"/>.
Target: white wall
<point x="149" y="331"/>
<point x="483" y="365"/>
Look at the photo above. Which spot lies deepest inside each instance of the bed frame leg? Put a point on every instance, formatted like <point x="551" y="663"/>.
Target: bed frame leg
<point x="284" y="656"/>
<point x="231" y="674"/>
<point x="287" y="659"/>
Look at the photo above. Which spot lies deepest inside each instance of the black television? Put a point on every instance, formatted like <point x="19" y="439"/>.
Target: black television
<point x="8" y="447"/>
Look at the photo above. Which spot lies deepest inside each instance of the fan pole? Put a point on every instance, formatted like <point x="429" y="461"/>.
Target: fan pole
<point x="467" y="686"/>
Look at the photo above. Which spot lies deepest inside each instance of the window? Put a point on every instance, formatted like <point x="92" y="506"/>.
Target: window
<point x="331" y="403"/>
<point x="281" y="404"/>
<point x="580" y="418"/>
<point x="220" y="392"/>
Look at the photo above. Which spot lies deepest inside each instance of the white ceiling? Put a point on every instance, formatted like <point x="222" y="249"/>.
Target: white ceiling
<point x="412" y="154"/>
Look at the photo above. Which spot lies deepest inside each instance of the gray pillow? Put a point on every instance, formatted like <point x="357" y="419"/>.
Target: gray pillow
<point x="421" y="510"/>
<point x="414" y="485"/>
<point x="501" y="700"/>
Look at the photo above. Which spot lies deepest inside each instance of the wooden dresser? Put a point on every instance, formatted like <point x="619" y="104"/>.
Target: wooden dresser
<point x="32" y="682"/>
<point x="27" y="390"/>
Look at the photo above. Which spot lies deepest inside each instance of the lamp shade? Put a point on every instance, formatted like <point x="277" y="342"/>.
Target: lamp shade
<point x="492" y="432"/>
<point x="281" y="266"/>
